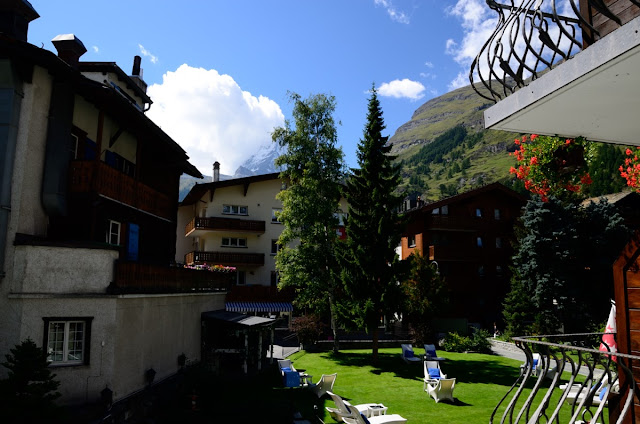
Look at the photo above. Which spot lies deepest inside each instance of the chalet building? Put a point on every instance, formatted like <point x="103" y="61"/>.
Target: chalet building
<point x="88" y="212"/>
<point x="585" y="81"/>
<point x="469" y="237"/>
<point x="234" y="223"/>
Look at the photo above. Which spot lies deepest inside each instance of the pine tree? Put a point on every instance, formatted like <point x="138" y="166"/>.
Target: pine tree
<point x="369" y="261"/>
<point x="313" y="168"/>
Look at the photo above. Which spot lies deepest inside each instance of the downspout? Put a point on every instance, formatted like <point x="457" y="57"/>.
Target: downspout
<point x="11" y="95"/>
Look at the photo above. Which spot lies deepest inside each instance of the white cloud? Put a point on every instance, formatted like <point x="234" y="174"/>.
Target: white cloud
<point x="428" y="64"/>
<point x="147" y="53"/>
<point x="395" y="14"/>
<point x="460" y="81"/>
<point x="402" y="89"/>
<point x="211" y="118"/>
<point x="478" y="23"/>
<point x="95" y="49"/>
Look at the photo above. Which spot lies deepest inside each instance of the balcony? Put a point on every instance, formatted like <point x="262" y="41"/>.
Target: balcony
<point x="98" y="177"/>
<point x="200" y="226"/>
<point x="567" y="382"/>
<point x="579" y="67"/>
<point x="140" y="278"/>
<point x="224" y="258"/>
<point x="468" y="224"/>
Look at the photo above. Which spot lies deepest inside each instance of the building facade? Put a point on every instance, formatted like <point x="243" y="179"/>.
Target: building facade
<point x="234" y="223"/>
<point x="89" y="199"/>
<point x="469" y="237"/>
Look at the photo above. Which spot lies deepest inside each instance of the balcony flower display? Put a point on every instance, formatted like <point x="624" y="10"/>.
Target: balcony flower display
<point x="552" y="165"/>
<point x="212" y="268"/>
<point x="630" y="171"/>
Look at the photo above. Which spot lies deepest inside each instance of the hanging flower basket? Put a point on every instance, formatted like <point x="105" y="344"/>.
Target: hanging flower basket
<point x="552" y="165"/>
<point x="630" y="171"/>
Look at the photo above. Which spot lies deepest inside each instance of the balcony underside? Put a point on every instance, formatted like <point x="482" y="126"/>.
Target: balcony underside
<point x="225" y="258"/>
<point x="595" y="94"/>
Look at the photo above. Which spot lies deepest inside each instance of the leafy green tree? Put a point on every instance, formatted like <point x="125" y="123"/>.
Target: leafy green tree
<point x="313" y="167"/>
<point x="369" y="261"/>
<point x="29" y="392"/>
<point x="425" y="295"/>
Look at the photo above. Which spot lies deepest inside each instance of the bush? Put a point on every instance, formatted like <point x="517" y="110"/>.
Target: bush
<point x="478" y="342"/>
<point x="308" y="329"/>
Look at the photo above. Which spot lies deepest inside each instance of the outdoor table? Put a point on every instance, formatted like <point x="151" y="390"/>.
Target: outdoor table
<point x="375" y="410"/>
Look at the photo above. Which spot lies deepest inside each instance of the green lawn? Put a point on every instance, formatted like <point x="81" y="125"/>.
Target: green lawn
<point x="481" y="381"/>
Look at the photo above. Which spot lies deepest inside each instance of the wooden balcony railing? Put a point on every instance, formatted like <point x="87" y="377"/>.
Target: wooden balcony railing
<point x="224" y="258"/>
<point x="225" y="224"/>
<point x="140" y="278"/>
<point x="568" y="380"/>
<point x="452" y="223"/>
<point x="95" y="176"/>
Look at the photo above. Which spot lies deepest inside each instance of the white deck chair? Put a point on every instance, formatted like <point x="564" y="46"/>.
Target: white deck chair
<point x="432" y="372"/>
<point x="285" y="363"/>
<point x="441" y="389"/>
<point x="345" y="409"/>
<point x="378" y="419"/>
<point x="408" y="355"/>
<point x="324" y="385"/>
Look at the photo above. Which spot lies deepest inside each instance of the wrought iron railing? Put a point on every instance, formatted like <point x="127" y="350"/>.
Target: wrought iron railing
<point x="566" y="379"/>
<point x="533" y="36"/>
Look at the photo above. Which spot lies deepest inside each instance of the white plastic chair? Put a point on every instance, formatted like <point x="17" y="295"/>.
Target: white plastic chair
<point x="432" y="372"/>
<point x="324" y="385"/>
<point x="408" y="355"/>
<point x="345" y="409"/>
<point x="441" y="389"/>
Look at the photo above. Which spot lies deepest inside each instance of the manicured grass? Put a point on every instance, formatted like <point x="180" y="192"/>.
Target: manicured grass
<point x="481" y="381"/>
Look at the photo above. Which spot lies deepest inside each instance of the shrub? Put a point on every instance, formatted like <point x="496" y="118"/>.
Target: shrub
<point x="308" y="329"/>
<point x="478" y="342"/>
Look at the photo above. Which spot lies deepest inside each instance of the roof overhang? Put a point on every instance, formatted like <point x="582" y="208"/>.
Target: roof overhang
<point x="237" y="318"/>
<point x="595" y="94"/>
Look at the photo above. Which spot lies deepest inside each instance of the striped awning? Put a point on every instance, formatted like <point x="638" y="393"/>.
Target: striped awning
<point x="259" y="307"/>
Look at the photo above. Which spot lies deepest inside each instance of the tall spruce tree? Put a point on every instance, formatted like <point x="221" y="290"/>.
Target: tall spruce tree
<point x="368" y="258"/>
<point x="313" y="169"/>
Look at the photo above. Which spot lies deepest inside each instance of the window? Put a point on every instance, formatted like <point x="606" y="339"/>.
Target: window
<point x="274" y="216"/>
<point x="275" y="278"/>
<point x="235" y="210"/>
<point x="275" y="247"/>
<point x="496" y="214"/>
<point x="412" y="241"/>
<point x="73" y="147"/>
<point x="481" y="271"/>
<point x="242" y="277"/>
<point x="113" y="233"/>
<point x="67" y="340"/>
<point x="498" y="270"/>
<point x="445" y="210"/>
<point x="478" y="213"/>
<point x="435" y="211"/>
<point x="498" y="243"/>
<point x="234" y="242"/>
<point x="479" y="241"/>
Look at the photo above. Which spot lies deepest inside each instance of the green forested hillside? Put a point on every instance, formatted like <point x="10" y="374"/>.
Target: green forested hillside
<point x="445" y="150"/>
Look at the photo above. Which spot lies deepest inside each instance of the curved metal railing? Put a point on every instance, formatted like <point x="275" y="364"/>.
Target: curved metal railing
<point x="567" y="381"/>
<point x="533" y="36"/>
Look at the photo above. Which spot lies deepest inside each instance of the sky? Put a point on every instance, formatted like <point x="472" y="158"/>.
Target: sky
<point x="219" y="72"/>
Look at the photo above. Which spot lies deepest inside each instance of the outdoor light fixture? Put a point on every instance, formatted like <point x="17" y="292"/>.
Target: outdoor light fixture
<point x="149" y="375"/>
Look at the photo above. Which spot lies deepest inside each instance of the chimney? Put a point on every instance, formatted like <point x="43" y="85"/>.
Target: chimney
<point x="136" y="73"/>
<point x="69" y="48"/>
<point x="15" y="16"/>
<point x="216" y="171"/>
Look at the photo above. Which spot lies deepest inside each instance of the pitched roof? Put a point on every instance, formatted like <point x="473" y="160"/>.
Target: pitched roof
<point x="198" y="190"/>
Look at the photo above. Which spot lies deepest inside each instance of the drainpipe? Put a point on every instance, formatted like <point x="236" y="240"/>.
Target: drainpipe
<point x="11" y="95"/>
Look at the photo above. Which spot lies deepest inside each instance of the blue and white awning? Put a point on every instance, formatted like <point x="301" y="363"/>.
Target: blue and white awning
<point x="244" y="307"/>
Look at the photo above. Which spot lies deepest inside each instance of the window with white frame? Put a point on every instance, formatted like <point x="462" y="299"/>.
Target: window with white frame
<point x="67" y="340"/>
<point x="113" y="232"/>
<point x="275" y="247"/>
<point x="234" y="242"/>
<point x="411" y="240"/>
<point x="235" y="210"/>
<point x="274" y="216"/>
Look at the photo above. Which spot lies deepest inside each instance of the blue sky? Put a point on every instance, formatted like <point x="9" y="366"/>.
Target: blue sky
<point x="219" y="71"/>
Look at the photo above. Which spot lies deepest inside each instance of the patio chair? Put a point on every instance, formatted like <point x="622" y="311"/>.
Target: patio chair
<point x="432" y="371"/>
<point x="441" y="389"/>
<point x="285" y="365"/>
<point x="345" y="409"/>
<point x="378" y="419"/>
<point x="537" y="368"/>
<point x="431" y="354"/>
<point x="324" y="385"/>
<point x="407" y="354"/>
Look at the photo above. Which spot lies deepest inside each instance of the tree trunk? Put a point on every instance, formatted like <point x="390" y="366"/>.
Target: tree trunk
<point x="334" y="328"/>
